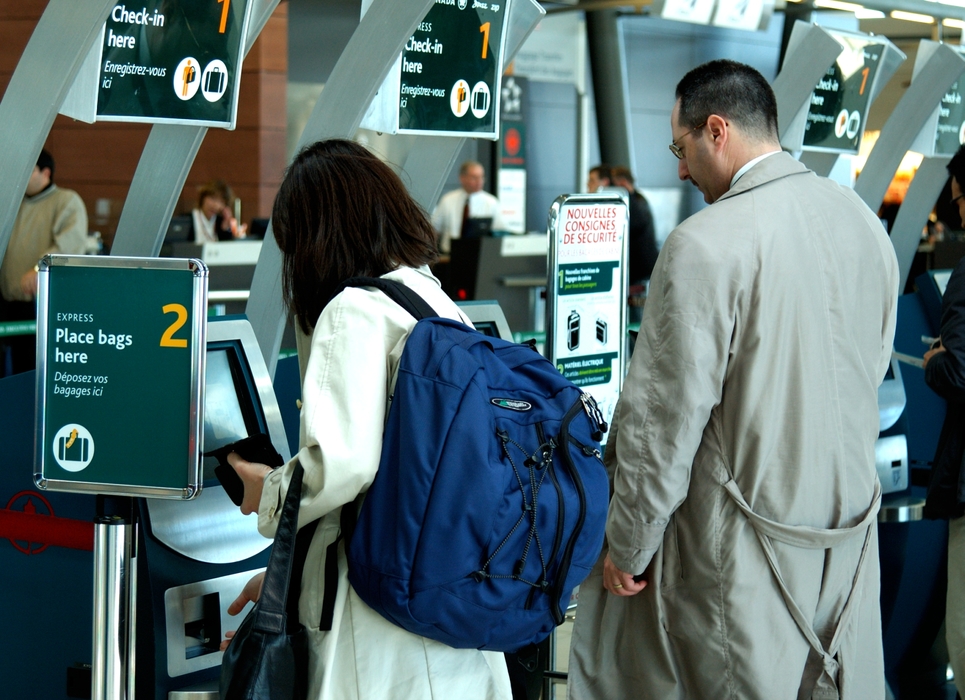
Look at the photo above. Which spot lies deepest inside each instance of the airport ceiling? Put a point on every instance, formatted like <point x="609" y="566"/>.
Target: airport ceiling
<point x="941" y="19"/>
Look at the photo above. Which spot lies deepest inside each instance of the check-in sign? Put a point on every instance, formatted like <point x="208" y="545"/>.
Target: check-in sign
<point x="447" y="80"/>
<point x="165" y="61"/>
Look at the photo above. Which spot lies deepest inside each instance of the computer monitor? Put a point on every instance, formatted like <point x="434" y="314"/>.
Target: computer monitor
<point x="487" y="317"/>
<point x="477" y="227"/>
<point x="180" y="229"/>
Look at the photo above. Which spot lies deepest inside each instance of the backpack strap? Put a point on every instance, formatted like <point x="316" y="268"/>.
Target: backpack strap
<point x="397" y="292"/>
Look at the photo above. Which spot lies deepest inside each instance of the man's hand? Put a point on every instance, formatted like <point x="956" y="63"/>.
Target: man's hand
<point x="28" y="283"/>
<point x="620" y="582"/>
<point x="935" y="349"/>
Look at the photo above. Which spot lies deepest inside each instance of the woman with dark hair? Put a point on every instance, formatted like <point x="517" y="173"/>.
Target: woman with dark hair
<point x="340" y="213"/>
<point x="213" y="219"/>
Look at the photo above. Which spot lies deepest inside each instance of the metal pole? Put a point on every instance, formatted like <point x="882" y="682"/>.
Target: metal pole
<point x="112" y="672"/>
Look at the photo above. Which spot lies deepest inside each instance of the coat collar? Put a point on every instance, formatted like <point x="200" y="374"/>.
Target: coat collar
<point x="771" y="168"/>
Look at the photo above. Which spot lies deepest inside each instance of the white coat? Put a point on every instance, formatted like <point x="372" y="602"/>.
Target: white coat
<point x="352" y="366"/>
<point x="743" y="448"/>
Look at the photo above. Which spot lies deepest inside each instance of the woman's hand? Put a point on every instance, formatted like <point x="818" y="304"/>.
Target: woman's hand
<point x="249" y="594"/>
<point x="253" y="477"/>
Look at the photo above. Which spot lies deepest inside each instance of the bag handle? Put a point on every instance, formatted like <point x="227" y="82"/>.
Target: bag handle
<point x="397" y="292"/>
<point x="270" y="612"/>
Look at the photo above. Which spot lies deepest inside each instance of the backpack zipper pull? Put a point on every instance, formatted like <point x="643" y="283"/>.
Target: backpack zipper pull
<point x="595" y="415"/>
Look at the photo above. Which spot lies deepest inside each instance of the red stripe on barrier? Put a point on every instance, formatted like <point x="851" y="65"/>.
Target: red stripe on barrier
<point x="18" y="526"/>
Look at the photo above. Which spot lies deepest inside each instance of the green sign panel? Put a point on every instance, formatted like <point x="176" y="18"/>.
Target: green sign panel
<point x="950" y="132"/>
<point x="588" y="370"/>
<point x="120" y="370"/>
<point x="586" y="278"/>
<point x="449" y="74"/>
<point x="165" y="61"/>
<point x="839" y="103"/>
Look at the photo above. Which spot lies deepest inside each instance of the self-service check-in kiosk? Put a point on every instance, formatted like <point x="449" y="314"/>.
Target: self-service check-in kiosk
<point x="159" y="615"/>
<point x="196" y="556"/>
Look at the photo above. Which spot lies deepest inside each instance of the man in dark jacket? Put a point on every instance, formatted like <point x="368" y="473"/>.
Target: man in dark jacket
<point x="945" y="374"/>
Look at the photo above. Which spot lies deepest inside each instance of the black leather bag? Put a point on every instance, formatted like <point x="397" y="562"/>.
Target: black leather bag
<point x="268" y="657"/>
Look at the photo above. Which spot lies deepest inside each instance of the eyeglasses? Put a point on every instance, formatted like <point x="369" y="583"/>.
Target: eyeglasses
<point x="955" y="199"/>
<point x="677" y="150"/>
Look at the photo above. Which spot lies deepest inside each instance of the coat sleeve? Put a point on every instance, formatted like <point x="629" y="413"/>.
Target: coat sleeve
<point x="70" y="228"/>
<point x="675" y="380"/>
<point x="343" y="408"/>
<point x="945" y="372"/>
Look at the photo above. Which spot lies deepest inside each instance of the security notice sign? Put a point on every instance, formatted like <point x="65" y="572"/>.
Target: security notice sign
<point x="448" y="77"/>
<point x="840" y="100"/>
<point x="165" y="61"/>
<point x="120" y="375"/>
<point x="587" y="291"/>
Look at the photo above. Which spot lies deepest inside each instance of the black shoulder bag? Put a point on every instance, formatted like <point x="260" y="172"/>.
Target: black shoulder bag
<point x="267" y="658"/>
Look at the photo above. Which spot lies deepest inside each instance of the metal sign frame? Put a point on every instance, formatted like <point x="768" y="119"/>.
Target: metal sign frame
<point x="607" y="400"/>
<point x="198" y="323"/>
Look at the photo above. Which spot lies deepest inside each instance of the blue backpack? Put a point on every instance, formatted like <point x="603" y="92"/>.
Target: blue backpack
<point x="490" y="501"/>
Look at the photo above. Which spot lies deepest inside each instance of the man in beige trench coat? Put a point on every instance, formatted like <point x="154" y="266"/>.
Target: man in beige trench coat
<point x="742" y="450"/>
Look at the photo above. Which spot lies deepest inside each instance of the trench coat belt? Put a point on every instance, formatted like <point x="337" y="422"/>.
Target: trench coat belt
<point x="813" y="538"/>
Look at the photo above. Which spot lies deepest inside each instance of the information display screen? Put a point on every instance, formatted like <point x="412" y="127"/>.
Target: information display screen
<point x="839" y="104"/>
<point x="232" y="411"/>
<point x="172" y="61"/>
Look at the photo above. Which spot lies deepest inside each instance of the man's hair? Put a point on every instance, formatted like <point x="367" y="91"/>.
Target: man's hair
<point x="464" y="168"/>
<point x="622" y="172"/>
<point x="731" y="90"/>
<point x="45" y="160"/>
<point x="603" y="171"/>
<point x="216" y="188"/>
<point x="956" y="167"/>
<point x="340" y="213"/>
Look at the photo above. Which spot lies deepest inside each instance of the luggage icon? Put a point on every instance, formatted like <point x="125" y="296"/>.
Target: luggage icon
<point x="573" y="330"/>
<point x="73" y="449"/>
<point x="214" y="81"/>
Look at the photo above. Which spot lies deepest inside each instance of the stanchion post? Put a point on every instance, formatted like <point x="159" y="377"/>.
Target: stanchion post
<point x="112" y="671"/>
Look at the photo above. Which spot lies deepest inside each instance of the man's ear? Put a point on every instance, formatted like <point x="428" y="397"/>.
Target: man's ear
<point x="719" y="129"/>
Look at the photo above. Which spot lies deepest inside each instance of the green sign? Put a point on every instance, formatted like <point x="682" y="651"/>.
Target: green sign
<point x="950" y="132"/>
<point x="165" y="61"/>
<point x="588" y="370"/>
<point x="120" y="371"/>
<point x="449" y="74"/>
<point x="586" y="278"/>
<point x="839" y="103"/>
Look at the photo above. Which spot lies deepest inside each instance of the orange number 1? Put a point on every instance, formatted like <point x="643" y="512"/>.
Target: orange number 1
<point x="224" y="15"/>
<point x="485" y="30"/>
<point x="864" y="80"/>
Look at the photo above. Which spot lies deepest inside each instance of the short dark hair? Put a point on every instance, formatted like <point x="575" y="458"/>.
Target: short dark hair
<point x="464" y="168"/>
<point x="731" y="90"/>
<point x="956" y="166"/>
<point x="340" y="213"/>
<point x="603" y="171"/>
<point x="622" y="172"/>
<point x="45" y="160"/>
